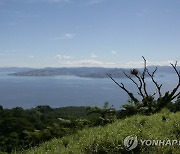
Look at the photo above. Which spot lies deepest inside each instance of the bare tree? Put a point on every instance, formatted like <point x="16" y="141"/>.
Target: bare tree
<point x="148" y="100"/>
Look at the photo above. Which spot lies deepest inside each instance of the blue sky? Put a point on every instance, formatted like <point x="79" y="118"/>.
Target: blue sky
<point x="72" y="33"/>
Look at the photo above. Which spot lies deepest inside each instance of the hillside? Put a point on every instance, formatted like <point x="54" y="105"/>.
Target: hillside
<point x="110" y="138"/>
<point x="92" y="72"/>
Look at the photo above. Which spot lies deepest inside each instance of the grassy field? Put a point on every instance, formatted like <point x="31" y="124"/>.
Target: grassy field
<point x="110" y="138"/>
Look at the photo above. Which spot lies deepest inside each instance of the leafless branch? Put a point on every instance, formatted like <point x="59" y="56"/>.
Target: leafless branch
<point x="143" y="77"/>
<point x="154" y="93"/>
<point x="142" y="89"/>
<point x="176" y="95"/>
<point x="153" y="80"/>
<point x="172" y="94"/>
<point x="138" y="86"/>
<point x="123" y="87"/>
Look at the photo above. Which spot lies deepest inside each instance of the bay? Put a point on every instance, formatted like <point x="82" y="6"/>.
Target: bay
<point x="61" y="91"/>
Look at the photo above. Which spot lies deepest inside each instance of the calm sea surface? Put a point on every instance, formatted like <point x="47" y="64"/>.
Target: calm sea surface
<point x="60" y="91"/>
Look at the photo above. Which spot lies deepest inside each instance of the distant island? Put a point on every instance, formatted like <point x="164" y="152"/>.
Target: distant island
<point x="90" y="72"/>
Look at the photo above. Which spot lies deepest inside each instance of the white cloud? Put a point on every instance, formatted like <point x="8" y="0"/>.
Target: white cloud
<point x="65" y="37"/>
<point x="69" y="36"/>
<point x="31" y="56"/>
<point x="162" y="63"/>
<point x="63" y="57"/>
<point x="134" y="64"/>
<point x="93" y="55"/>
<point x="114" y="52"/>
<point x="92" y="2"/>
<point x="89" y="63"/>
<point x="140" y="64"/>
<point x="130" y="64"/>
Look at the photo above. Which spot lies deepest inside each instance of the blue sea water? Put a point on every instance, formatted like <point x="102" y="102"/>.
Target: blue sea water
<point x="61" y="91"/>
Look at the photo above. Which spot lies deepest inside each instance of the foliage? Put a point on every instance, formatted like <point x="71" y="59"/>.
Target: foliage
<point x="105" y="116"/>
<point x="21" y="129"/>
<point x="174" y="107"/>
<point x="109" y="139"/>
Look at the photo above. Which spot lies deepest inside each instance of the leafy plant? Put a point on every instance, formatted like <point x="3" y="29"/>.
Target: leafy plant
<point x="105" y="115"/>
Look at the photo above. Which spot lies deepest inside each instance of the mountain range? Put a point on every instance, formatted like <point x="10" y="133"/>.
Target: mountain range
<point x="92" y="72"/>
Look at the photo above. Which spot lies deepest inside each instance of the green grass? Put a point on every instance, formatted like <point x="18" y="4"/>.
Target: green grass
<point x="109" y="139"/>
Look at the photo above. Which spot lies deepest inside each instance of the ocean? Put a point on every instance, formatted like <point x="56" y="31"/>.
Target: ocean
<point x="61" y="91"/>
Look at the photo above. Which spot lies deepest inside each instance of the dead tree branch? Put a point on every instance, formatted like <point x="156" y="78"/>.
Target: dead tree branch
<point x="143" y="77"/>
<point x="153" y="80"/>
<point x="147" y="99"/>
<point x="138" y="86"/>
<point x="123" y="87"/>
<point x="172" y="94"/>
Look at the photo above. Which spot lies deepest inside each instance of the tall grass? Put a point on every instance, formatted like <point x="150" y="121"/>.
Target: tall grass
<point x="109" y="139"/>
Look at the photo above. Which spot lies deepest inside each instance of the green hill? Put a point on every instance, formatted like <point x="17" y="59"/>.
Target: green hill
<point x="110" y="138"/>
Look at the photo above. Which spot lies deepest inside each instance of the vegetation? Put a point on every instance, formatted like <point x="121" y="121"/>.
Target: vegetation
<point x="97" y="130"/>
<point x="109" y="138"/>
<point x="104" y="116"/>
<point x="21" y="129"/>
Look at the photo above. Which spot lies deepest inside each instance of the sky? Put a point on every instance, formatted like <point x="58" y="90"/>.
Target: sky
<point x="93" y="33"/>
